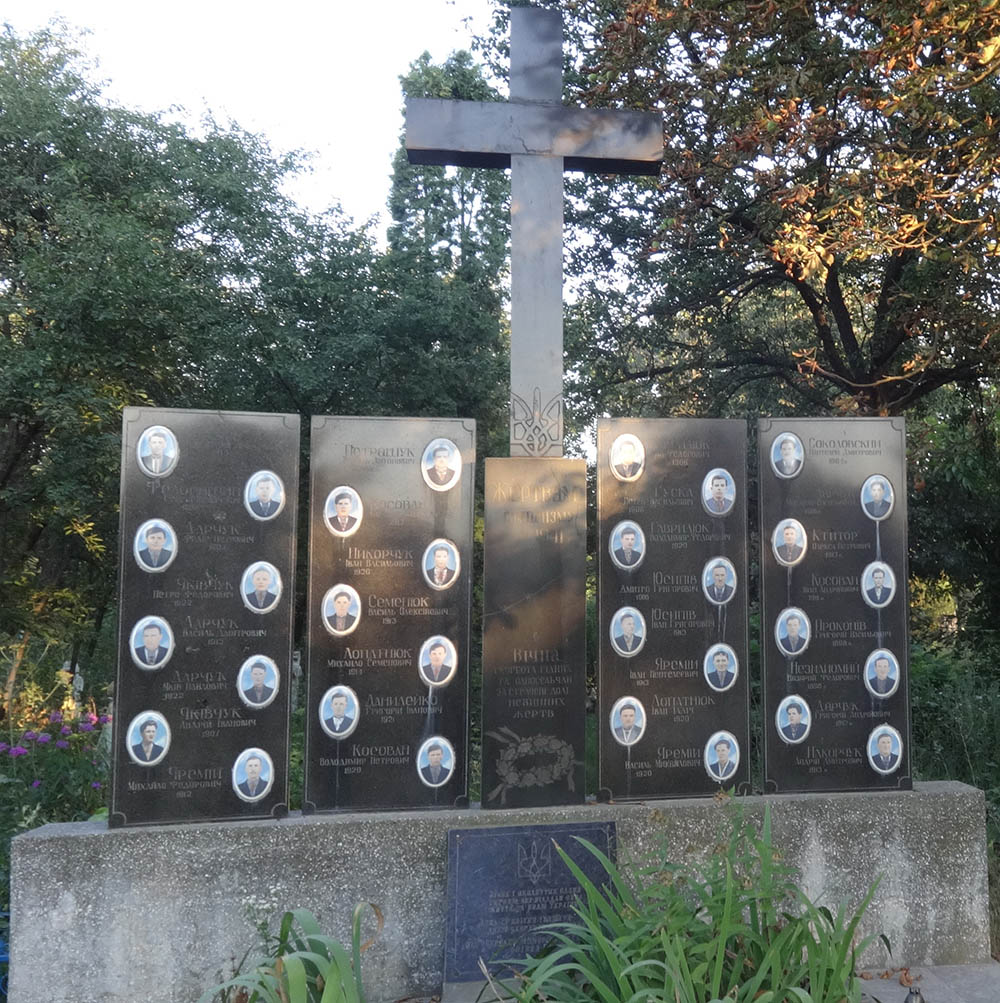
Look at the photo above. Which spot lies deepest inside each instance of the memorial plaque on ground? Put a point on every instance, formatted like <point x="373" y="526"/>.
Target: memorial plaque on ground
<point x="834" y="604"/>
<point x="534" y="636"/>
<point x="207" y="570"/>
<point x="390" y="577"/>
<point x="505" y="882"/>
<point x="672" y="559"/>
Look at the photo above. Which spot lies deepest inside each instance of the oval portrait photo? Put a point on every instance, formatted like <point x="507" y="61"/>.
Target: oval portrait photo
<point x="253" y="774"/>
<point x="718" y="580"/>
<point x="793" y="720"/>
<point x="877" y="497"/>
<point x="441" y="464"/>
<point x="437" y="660"/>
<point x="339" y="712"/>
<point x="878" y="584"/>
<point x="718" y="492"/>
<point x="787" y="455"/>
<point x="343" y="511"/>
<point x="627" y="457"/>
<point x="792" y="631"/>
<point x="157" y="451"/>
<point x="155" y="545"/>
<point x="341" y="610"/>
<point x="627" y="721"/>
<point x="257" y="681"/>
<point x="881" y="673"/>
<point x="264" y="495"/>
<point x="885" y="749"/>
<point x="441" y="564"/>
<point x="152" y="642"/>
<point x="722" y="755"/>
<point x="261" y="587"/>
<point x="147" y="738"/>
<point x="435" y="761"/>
<point x="628" y="631"/>
<point x="788" y="542"/>
<point x="627" y="545"/>
<point x="721" y="667"/>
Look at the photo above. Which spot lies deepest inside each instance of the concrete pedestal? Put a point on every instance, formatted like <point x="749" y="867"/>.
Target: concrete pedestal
<point x="159" y="914"/>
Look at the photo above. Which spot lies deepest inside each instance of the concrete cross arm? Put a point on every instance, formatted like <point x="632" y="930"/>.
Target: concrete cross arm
<point x="486" y="134"/>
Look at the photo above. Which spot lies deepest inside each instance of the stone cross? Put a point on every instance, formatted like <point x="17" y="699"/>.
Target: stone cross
<point x="538" y="138"/>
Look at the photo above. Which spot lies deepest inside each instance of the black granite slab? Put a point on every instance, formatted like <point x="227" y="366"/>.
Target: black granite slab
<point x="388" y="678"/>
<point x="207" y="567"/>
<point x="534" y="636"/>
<point x="834" y="604"/>
<point x="674" y="685"/>
<point x="504" y="882"/>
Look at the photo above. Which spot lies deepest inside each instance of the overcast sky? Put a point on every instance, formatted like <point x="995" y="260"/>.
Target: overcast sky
<point x="314" y="76"/>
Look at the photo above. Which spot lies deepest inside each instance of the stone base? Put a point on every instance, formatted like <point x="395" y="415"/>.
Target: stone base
<point x="159" y="914"/>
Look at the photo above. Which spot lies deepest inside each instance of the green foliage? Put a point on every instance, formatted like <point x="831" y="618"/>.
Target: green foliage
<point x="737" y="929"/>
<point x="306" y="967"/>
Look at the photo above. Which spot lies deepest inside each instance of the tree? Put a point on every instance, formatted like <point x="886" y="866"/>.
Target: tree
<point x="827" y="212"/>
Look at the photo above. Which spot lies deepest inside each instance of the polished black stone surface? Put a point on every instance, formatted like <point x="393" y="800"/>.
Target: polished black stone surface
<point x="503" y="882"/>
<point x="834" y="604"/>
<point x="534" y="637"/>
<point x="672" y="607"/>
<point x="207" y="539"/>
<point x="389" y="600"/>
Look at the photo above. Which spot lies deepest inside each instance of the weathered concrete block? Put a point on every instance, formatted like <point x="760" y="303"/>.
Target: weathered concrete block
<point x="158" y="914"/>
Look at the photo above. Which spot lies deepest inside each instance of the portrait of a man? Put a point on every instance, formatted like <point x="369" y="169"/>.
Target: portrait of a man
<point x="265" y="588"/>
<point x="716" y="581"/>
<point x="792" y="633"/>
<point x="441" y="565"/>
<point x="879" y="504"/>
<point x="627" y="632"/>
<point x="631" y="723"/>
<point x="629" y="552"/>
<point x="720" y="669"/>
<point x="718" y="493"/>
<point x="154" y="554"/>
<point x="436" y="670"/>
<point x="341" y="719"/>
<point x="147" y="751"/>
<point x="881" y="586"/>
<point x="157" y="451"/>
<point x="786" y="455"/>
<point x="442" y="464"/>
<point x="797" y="726"/>
<point x="627" y="458"/>
<point x="440" y="762"/>
<point x="722" y="756"/>
<point x="257" y="781"/>
<point x="155" y="648"/>
<point x="266" y="495"/>
<point x="884" y="750"/>
<point x="258" y="692"/>
<point x="789" y="542"/>
<point x="882" y="675"/>
<point x="343" y="512"/>
<point x="337" y="604"/>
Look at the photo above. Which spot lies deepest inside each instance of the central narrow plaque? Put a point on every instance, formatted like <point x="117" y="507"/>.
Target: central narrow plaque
<point x="505" y="882"/>
<point x="534" y="638"/>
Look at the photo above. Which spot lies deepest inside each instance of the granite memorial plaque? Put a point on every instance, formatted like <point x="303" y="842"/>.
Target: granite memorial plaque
<point x="389" y="607"/>
<point x="534" y="637"/>
<point x="502" y="884"/>
<point x="834" y="605"/>
<point x="672" y="610"/>
<point x="207" y="569"/>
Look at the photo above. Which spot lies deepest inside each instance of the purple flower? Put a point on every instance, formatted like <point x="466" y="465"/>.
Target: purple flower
<point x="44" y="738"/>
<point x="62" y="744"/>
<point x="65" y="730"/>
<point x="28" y="736"/>
<point x="85" y="726"/>
<point x="4" y="746"/>
<point x="104" y="719"/>
<point x="17" y="750"/>
<point x="55" y="717"/>
<point x="36" y="783"/>
<point x="96" y="784"/>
